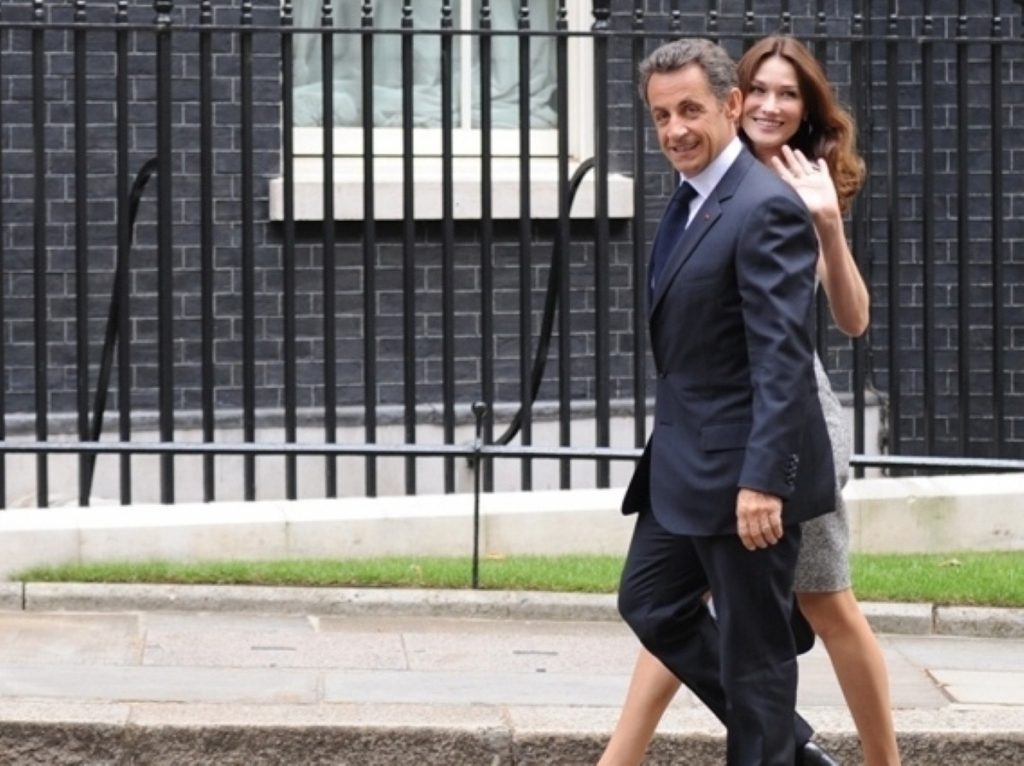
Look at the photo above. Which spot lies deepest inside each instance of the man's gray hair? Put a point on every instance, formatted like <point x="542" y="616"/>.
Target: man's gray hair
<point x="716" y="63"/>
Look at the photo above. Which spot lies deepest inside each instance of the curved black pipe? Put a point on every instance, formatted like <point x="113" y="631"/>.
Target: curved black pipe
<point x="547" y="323"/>
<point x="110" y="337"/>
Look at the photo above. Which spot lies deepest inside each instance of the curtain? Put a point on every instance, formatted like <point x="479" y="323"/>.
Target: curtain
<point x="387" y="66"/>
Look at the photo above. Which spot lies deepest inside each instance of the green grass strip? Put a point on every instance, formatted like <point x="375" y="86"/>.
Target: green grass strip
<point x="970" y="578"/>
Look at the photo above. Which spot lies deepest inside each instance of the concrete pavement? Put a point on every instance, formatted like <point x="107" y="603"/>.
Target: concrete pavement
<point x="142" y="674"/>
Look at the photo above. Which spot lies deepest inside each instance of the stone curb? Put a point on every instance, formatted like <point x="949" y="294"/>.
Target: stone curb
<point x="155" y="733"/>
<point x="915" y="619"/>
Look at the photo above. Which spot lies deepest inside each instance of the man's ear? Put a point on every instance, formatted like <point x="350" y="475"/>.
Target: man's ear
<point x="734" y="104"/>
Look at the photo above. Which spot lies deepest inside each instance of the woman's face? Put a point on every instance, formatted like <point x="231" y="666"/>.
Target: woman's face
<point x="773" y="107"/>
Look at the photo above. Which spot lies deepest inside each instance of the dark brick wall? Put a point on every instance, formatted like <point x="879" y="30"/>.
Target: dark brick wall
<point x="875" y="248"/>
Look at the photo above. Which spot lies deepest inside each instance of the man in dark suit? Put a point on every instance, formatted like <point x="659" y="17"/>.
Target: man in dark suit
<point x="739" y="454"/>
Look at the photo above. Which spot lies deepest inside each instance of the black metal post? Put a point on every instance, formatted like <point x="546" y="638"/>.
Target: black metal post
<point x="165" y="243"/>
<point x="329" y="257"/>
<point x="928" y="253"/>
<point x="861" y="109"/>
<point x="639" y="349"/>
<point x="288" y="247"/>
<point x="3" y="316"/>
<point x="248" y="256"/>
<point x="892" y="218"/>
<point x="562" y="246"/>
<point x="39" y="260"/>
<point x="602" y="405"/>
<point x="124" y="244"/>
<point x="81" y="248"/>
<point x="486" y="237"/>
<point x="206" y="263"/>
<point x="525" y="247"/>
<point x="963" y="234"/>
<point x="408" y="248"/>
<point x="479" y="412"/>
<point x="369" y="254"/>
<point x="447" y="245"/>
<point x="998" y="273"/>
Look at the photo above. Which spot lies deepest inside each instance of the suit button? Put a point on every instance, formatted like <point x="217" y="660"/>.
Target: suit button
<point x="663" y="375"/>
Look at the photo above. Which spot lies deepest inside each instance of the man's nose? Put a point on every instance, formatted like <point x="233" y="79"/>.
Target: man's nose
<point x="678" y="127"/>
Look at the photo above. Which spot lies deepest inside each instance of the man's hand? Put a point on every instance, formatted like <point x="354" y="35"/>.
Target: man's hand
<point x="758" y="519"/>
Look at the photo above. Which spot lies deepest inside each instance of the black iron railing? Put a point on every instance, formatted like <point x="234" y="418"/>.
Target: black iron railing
<point x="250" y="325"/>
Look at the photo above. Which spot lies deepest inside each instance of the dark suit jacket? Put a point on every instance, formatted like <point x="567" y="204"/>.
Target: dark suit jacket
<point x="730" y="326"/>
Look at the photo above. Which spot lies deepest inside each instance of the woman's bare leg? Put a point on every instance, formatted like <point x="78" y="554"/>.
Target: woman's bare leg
<point x="860" y="668"/>
<point x="650" y="691"/>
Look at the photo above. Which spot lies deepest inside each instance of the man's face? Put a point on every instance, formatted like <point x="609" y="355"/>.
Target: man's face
<point x="693" y="126"/>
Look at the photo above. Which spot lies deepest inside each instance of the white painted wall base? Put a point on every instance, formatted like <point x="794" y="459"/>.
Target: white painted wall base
<point x="950" y="513"/>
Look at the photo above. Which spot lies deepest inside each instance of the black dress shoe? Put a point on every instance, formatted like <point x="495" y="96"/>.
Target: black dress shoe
<point x="812" y="755"/>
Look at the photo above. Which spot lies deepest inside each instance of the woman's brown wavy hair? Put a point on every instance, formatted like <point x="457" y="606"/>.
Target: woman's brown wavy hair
<point x="829" y="129"/>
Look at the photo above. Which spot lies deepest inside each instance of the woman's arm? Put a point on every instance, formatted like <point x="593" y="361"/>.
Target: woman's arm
<point x="848" y="296"/>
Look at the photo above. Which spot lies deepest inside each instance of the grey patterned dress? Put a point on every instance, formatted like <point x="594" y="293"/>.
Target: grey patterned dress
<point x="824" y="562"/>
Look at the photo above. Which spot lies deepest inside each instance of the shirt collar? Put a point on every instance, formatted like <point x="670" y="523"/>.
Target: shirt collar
<point x="706" y="180"/>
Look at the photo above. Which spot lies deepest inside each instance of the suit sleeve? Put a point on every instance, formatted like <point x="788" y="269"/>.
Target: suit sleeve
<point x="775" y="262"/>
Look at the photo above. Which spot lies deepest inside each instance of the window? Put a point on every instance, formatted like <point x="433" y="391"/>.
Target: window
<point x="426" y="117"/>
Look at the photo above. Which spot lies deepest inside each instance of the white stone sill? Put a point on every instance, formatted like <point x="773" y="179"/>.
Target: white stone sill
<point x="427" y="191"/>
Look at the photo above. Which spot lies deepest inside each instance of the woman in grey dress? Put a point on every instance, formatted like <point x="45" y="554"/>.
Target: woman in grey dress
<point x="789" y="115"/>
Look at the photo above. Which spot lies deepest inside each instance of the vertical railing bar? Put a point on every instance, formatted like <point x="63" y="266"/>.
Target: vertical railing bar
<point x="562" y="235"/>
<point x="963" y="235"/>
<point x="998" y="311"/>
<point x="820" y="30"/>
<point x="124" y="234"/>
<point x="639" y="241"/>
<point x="602" y="408"/>
<point x="675" y="23"/>
<point x="486" y="242"/>
<point x="447" y="245"/>
<point x="81" y="249"/>
<point x="822" y="316"/>
<point x="3" y="302"/>
<point x="479" y="409"/>
<point x="525" y="250"/>
<point x="39" y="249"/>
<point x="206" y="264"/>
<point x="288" y="246"/>
<point x="861" y="108"/>
<point x="248" y="255"/>
<point x="465" y="73"/>
<point x="748" y="24"/>
<point x="408" y="248"/>
<point x="165" y="252"/>
<point x="369" y="251"/>
<point x="328" y="263"/>
<point x="928" y="228"/>
<point x="893" y="226"/>
<point x="710" y="26"/>
<point x="785" y="19"/>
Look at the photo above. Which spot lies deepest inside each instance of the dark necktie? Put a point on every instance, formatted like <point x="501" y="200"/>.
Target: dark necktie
<point x="673" y="224"/>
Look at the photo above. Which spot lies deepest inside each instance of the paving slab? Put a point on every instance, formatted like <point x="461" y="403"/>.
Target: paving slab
<point x="220" y="686"/>
<point x="167" y="684"/>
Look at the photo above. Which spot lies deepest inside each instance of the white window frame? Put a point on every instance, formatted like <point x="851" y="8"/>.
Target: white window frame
<point x="388" y="167"/>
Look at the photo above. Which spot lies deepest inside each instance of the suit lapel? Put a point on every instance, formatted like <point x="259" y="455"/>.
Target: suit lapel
<point x="707" y="216"/>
